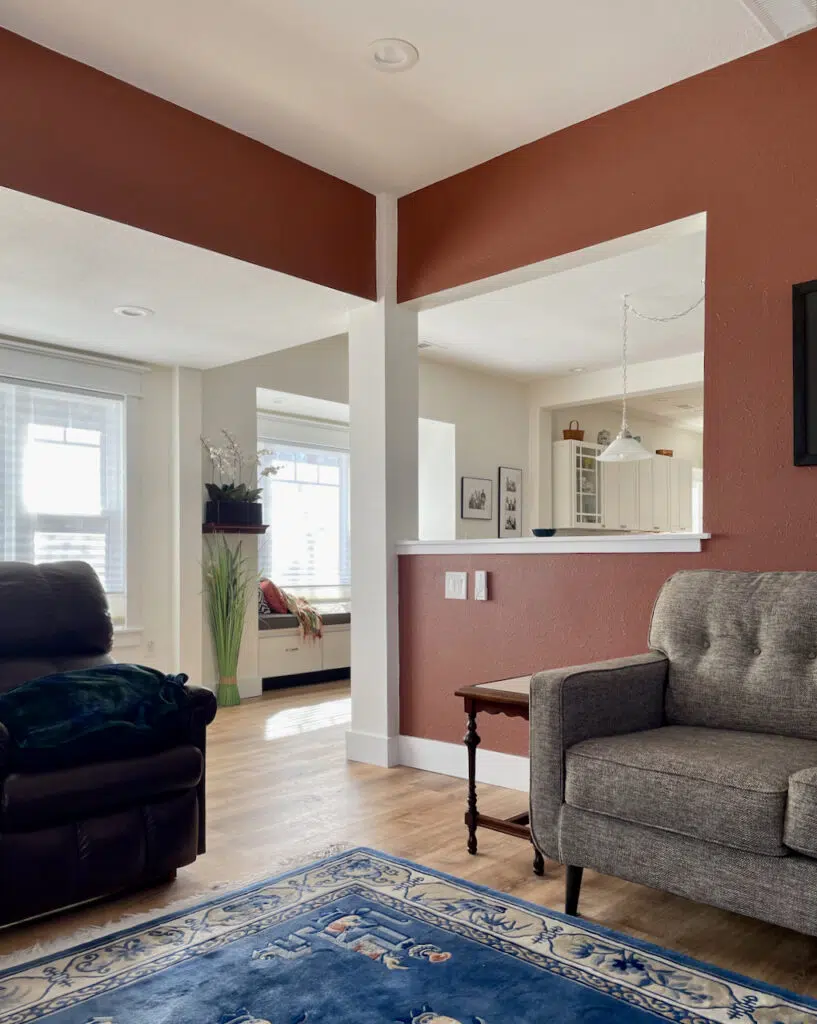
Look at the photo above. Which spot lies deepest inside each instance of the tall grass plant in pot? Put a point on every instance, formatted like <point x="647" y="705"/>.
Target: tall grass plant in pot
<point x="229" y="583"/>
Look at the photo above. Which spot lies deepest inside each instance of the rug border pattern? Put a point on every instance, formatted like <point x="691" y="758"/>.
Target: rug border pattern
<point x="454" y="905"/>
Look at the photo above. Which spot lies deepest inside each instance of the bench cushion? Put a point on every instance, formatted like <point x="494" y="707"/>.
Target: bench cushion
<point x="721" y="786"/>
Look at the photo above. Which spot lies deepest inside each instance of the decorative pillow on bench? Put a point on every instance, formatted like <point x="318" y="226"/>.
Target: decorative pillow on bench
<point x="274" y="597"/>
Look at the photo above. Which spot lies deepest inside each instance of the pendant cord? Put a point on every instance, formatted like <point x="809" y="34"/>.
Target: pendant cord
<point x="666" y="319"/>
<point x="628" y="308"/>
<point x="624" y="331"/>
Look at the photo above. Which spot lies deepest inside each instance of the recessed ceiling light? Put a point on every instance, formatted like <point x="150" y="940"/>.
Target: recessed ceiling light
<point x="133" y="311"/>
<point x="393" y="55"/>
<point x="577" y="369"/>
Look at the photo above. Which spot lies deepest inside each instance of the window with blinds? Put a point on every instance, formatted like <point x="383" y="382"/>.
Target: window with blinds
<point x="306" y="504"/>
<point x="63" y="492"/>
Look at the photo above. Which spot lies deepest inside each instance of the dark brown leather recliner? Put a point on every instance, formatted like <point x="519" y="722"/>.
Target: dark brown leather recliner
<point x="79" y="833"/>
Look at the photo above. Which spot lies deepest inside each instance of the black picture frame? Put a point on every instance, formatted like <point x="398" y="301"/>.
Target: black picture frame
<point x="484" y="489"/>
<point x="804" y="316"/>
<point x="509" y="488"/>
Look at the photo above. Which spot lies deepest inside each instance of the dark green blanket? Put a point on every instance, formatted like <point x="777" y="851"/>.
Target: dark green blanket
<point x="95" y="714"/>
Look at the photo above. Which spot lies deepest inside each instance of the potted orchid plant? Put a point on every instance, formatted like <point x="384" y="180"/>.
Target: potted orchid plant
<point x="233" y="493"/>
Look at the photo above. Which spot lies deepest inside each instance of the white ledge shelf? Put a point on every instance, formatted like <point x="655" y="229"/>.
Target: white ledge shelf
<point x="596" y="544"/>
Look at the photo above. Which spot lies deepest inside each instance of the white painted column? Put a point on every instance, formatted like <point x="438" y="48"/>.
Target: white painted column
<point x="383" y="405"/>
<point x="186" y="400"/>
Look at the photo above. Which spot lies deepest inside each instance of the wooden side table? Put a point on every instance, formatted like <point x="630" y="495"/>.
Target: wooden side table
<point x="510" y="697"/>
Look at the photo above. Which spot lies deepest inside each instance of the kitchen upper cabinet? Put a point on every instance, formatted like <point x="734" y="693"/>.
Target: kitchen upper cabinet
<point x="620" y="501"/>
<point x="577" y="484"/>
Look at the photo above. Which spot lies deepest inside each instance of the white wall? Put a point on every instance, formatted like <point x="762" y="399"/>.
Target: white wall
<point x="489" y="412"/>
<point x="436" y="480"/>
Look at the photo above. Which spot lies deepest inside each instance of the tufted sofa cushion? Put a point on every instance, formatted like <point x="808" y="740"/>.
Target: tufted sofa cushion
<point x="742" y="650"/>
<point x="53" y="618"/>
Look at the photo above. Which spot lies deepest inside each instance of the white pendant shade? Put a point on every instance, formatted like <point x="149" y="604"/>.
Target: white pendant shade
<point x="625" y="448"/>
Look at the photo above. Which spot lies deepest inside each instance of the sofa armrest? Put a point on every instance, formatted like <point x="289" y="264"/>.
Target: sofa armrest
<point x="568" y="705"/>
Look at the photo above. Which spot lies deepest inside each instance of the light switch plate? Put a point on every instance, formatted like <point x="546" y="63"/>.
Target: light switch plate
<point x="480" y="585"/>
<point x="456" y="586"/>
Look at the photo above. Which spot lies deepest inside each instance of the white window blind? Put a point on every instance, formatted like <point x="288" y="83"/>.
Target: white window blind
<point x="306" y="504"/>
<point x="63" y="493"/>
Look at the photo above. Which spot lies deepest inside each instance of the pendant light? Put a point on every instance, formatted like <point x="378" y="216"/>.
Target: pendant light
<point x="625" y="448"/>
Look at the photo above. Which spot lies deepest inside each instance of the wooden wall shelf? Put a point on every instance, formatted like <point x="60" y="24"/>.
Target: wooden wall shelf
<point x="231" y="528"/>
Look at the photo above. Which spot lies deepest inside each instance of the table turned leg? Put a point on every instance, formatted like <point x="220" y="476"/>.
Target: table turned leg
<point x="472" y="742"/>
<point x="538" y="863"/>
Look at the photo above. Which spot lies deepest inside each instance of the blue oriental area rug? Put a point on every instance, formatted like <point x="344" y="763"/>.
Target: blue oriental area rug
<point x="363" y="938"/>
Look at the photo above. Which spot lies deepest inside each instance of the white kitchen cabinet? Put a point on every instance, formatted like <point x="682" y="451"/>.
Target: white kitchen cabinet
<point x="577" y="486"/>
<point x="680" y="494"/>
<point x="654" y="496"/>
<point x="620" y="496"/>
<point x="665" y="494"/>
<point x="650" y="496"/>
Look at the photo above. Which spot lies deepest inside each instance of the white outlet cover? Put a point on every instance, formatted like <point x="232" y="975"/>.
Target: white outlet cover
<point x="456" y="586"/>
<point x="481" y="585"/>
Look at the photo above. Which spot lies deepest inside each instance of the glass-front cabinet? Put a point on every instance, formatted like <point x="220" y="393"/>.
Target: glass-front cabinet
<point x="577" y="485"/>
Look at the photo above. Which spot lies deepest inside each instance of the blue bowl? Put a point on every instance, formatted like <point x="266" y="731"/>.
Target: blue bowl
<point x="539" y="531"/>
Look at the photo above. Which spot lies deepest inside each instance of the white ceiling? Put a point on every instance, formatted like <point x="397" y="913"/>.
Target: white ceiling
<point x="285" y="403"/>
<point x="572" y="320"/>
<point x="682" y="408"/>
<point x="62" y="272"/>
<point x="491" y="76"/>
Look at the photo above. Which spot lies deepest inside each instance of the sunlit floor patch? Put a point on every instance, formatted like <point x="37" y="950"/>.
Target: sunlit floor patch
<point x="295" y="721"/>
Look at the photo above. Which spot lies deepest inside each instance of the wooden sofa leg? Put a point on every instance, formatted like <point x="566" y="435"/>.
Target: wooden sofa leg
<point x="573" y="885"/>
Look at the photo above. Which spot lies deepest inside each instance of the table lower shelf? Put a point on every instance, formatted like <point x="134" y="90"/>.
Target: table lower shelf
<point x="516" y="825"/>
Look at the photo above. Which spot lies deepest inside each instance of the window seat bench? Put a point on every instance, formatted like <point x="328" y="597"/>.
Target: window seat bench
<point x="285" y="658"/>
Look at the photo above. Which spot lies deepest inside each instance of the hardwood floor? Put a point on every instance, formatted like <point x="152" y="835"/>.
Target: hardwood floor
<point x="281" y="792"/>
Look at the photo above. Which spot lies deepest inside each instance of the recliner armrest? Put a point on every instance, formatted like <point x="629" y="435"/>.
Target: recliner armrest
<point x="202" y="701"/>
<point x="568" y="705"/>
<point x="5" y="743"/>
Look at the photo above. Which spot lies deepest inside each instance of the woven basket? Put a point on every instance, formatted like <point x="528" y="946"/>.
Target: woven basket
<point x="572" y="434"/>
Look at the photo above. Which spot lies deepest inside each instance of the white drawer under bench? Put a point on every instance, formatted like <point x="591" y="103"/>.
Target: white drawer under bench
<point x="284" y="652"/>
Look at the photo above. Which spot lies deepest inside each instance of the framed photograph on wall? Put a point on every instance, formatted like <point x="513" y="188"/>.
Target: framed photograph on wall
<point x="477" y="498"/>
<point x="804" y="300"/>
<point x="510" y="502"/>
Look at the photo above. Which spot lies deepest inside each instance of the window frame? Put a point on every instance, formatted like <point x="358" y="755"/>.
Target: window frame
<point x="33" y="365"/>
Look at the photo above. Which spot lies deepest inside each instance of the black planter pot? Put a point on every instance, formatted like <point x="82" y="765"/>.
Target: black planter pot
<point x="233" y="513"/>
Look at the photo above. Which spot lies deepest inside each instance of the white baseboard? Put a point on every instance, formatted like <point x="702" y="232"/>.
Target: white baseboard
<point x="250" y="686"/>
<point x="493" y="768"/>
<point x="382" y="751"/>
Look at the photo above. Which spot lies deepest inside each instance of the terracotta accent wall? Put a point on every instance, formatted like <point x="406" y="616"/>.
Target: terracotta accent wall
<point x="79" y="137"/>
<point x="737" y="142"/>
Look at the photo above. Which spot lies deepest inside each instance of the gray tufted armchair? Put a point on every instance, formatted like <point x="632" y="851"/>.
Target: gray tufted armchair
<point x="692" y="768"/>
